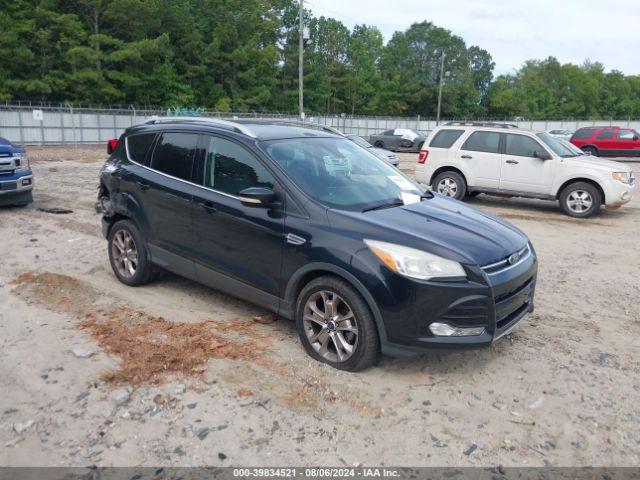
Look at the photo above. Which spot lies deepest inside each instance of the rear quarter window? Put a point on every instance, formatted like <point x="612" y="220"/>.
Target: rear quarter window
<point x="445" y="138"/>
<point x="138" y="146"/>
<point x="584" y="133"/>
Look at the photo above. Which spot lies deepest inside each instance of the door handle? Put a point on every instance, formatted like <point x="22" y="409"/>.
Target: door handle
<point x="143" y="186"/>
<point x="208" y="207"/>
<point x="513" y="162"/>
<point x="468" y="157"/>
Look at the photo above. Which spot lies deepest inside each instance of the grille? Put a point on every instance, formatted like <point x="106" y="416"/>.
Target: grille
<point x="508" y="262"/>
<point x="8" y="185"/>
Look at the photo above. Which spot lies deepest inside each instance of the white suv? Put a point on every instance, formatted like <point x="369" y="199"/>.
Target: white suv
<point x="461" y="159"/>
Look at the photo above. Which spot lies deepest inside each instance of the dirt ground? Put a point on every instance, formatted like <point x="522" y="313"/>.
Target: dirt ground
<point x="174" y="373"/>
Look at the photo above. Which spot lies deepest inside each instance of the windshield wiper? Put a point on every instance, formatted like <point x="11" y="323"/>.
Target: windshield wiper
<point x="395" y="203"/>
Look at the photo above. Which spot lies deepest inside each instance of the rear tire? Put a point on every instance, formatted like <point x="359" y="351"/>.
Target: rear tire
<point x="128" y="255"/>
<point x="590" y="151"/>
<point x="580" y="200"/>
<point x="336" y="326"/>
<point x="450" y="184"/>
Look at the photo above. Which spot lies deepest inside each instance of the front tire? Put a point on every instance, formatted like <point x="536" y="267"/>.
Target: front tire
<point x="128" y="255"/>
<point x="450" y="184"/>
<point x="379" y="144"/>
<point x="580" y="200"/>
<point x="336" y="326"/>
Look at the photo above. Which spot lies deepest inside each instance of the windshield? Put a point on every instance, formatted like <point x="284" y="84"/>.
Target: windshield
<point x="571" y="147"/>
<point x="360" y="141"/>
<point x="555" y="145"/>
<point x="338" y="173"/>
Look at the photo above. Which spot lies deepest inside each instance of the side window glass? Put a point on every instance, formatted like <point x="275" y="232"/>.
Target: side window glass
<point x="521" y="145"/>
<point x="626" y="134"/>
<point x="231" y="168"/>
<point x="483" y="142"/>
<point x="174" y="154"/>
<point x="138" y="146"/>
<point x="584" y="133"/>
<point x="445" y="138"/>
<point x="388" y="133"/>
<point x="606" y="134"/>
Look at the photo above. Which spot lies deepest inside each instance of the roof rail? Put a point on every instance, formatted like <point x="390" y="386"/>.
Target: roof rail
<point x="294" y="123"/>
<point x="218" y="122"/>
<point x="482" y="124"/>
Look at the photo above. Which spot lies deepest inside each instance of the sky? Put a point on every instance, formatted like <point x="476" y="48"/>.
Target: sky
<point x="513" y="31"/>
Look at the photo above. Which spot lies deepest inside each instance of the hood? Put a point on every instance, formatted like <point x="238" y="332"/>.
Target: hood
<point x="384" y="153"/>
<point x="9" y="150"/>
<point x="597" y="162"/>
<point x="441" y="226"/>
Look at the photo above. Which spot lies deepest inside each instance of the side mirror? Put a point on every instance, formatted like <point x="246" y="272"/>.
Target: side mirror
<point x="258" y="197"/>
<point x="636" y="138"/>
<point x="542" y="155"/>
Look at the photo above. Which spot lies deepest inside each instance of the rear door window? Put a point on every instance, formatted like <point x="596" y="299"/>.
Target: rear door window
<point x="230" y="168"/>
<point x="584" y="133"/>
<point x="445" y="138"/>
<point x="521" y="145"/>
<point x="606" y="134"/>
<point x="174" y="154"/>
<point x="483" y="142"/>
<point x="138" y="146"/>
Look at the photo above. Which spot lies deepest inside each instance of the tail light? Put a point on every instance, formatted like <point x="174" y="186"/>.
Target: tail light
<point x="111" y="145"/>
<point x="422" y="157"/>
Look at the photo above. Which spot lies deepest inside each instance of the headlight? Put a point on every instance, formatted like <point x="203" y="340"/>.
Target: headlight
<point x="22" y="162"/>
<point x="414" y="263"/>
<point x="624" y="177"/>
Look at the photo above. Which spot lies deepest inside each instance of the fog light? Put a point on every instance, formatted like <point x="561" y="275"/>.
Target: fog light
<point x="625" y="196"/>
<point x="26" y="181"/>
<point x="446" y="330"/>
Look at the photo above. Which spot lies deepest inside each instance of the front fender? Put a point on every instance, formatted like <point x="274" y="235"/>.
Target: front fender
<point x="585" y="174"/>
<point x="293" y="287"/>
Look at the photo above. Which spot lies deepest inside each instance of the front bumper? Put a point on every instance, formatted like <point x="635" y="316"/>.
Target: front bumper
<point x="16" y="183"/>
<point x="619" y="193"/>
<point x="496" y="301"/>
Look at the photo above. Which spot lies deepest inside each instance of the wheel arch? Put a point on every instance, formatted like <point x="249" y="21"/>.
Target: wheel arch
<point x="448" y="168"/>
<point x="584" y="180"/>
<point x="311" y="271"/>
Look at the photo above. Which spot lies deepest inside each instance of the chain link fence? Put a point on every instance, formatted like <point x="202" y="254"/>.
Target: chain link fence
<point x="44" y="124"/>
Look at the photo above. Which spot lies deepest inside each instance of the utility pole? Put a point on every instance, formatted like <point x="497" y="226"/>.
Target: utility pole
<point x="301" y="64"/>
<point x="440" y="88"/>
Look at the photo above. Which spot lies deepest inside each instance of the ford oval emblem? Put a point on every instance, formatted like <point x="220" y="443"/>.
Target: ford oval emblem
<point x="513" y="259"/>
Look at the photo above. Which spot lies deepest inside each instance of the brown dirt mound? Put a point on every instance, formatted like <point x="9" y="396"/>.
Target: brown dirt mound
<point x="151" y="347"/>
<point x="60" y="293"/>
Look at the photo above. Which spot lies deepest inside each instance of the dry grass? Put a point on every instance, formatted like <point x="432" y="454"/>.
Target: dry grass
<point x="151" y="347"/>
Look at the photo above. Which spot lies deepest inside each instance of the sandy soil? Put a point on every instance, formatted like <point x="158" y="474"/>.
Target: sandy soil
<point x="93" y="372"/>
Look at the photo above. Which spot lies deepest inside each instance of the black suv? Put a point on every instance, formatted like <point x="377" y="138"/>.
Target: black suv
<point x="315" y="228"/>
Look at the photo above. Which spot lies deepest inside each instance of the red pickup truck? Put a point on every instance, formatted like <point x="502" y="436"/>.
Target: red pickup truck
<point x="608" y="141"/>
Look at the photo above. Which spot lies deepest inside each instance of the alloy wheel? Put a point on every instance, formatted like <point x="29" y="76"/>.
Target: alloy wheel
<point x="330" y="326"/>
<point x="579" y="201"/>
<point x="448" y="187"/>
<point x="124" y="253"/>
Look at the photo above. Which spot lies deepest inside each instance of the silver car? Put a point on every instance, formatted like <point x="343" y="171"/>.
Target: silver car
<point x="561" y="133"/>
<point x="381" y="153"/>
<point x="399" y="140"/>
